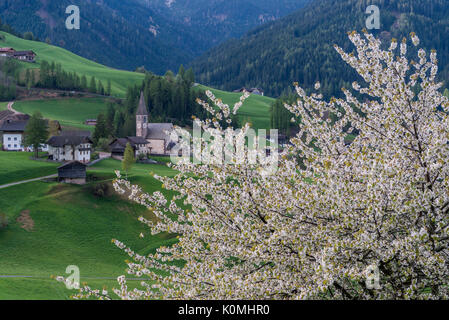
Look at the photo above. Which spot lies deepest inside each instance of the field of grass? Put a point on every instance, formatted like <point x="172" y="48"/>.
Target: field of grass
<point x="256" y="109"/>
<point x="70" y="112"/>
<point x="72" y="227"/>
<point x="3" y="105"/>
<point x="17" y="166"/>
<point x="120" y="79"/>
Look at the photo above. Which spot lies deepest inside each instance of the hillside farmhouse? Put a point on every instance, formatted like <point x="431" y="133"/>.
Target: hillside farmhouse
<point x="27" y="56"/>
<point x="256" y="91"/>
<point x="139" y="145"/>
<point x="71" y="147"/>
<point x="6" y="52"/>
<point x="158" y="135"/>
<point x="12" y="126"/>
<point x="72" y="172"/>
<point x="90" y="122"/>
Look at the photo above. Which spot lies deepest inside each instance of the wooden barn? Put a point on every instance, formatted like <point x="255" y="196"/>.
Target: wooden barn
<point x="72" y="172"/>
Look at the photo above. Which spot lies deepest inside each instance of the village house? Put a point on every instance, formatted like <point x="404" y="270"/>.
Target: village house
<point x="6" y="52"/>
<point x="139" y="145"/>
<point x="26" y="56"/>
<point x="70" y="148"/>
<point x="13" y="131"/>
<point x="158" y="135"/>
<point x="12" y="127"/>
<point x="72" y="172"/>
<point x="256" y="91"/>
<point x="90" y="122"/>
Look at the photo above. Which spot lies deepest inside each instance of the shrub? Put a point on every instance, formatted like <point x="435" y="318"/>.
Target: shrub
<point x="102" y="190"/>
<point x="3" y="221"/>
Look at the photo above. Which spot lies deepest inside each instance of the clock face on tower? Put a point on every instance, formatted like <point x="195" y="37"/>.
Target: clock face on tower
<point x="144" y="125"/>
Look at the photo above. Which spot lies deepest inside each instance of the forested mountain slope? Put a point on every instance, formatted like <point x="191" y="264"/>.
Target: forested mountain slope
<point x="127" y="34"/>
<point x="299" y="47"/>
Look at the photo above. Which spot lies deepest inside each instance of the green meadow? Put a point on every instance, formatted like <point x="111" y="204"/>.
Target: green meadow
<point x="17" y="166"/>
<point x="120" y="79"/>
<point x="70" y="112"/>
<point x="255" y="109"/>
<point x="57" y="225"/>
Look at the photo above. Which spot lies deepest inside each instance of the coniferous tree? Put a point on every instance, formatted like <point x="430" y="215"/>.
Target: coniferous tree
<point x="108" y="88"/>
<point x="93" y="85"/>
<point x="101" y="130"/>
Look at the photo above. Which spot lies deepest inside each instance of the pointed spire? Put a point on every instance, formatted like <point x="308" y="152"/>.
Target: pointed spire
<point x="142" y="109"/>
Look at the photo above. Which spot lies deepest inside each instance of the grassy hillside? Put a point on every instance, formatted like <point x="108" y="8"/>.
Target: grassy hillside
<point x="255" y="110"/>
<point x="71" y="112"/>
<point x="17" y="166"/>
<point x="3" y="105"/>
<point x="71" y="226"/>
<point x="120" y="80"/>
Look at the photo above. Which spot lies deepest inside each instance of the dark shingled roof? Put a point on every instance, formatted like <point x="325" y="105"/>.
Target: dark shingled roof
<point x="73" y="170"/>
<point x="80" y="133"/>
<point x="142" y="109"/>
<point x="23" y="53"/>
<point x="72" y="164"/>
<point x="137" y="140"/>
<point x="14" y="126"/>
<point x="61" y="141"/>
<point x="120" y="143"/>
<point x="15" y="122"/>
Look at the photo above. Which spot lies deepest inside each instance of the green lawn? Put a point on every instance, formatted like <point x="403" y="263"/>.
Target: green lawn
<point x="17" y="166"/>
<point x="72" y="227"/>
<point x="256" y="109"/>
<point x="3" y="105"/>
<point x="70" y="112"/>
<point x="120" y="79"/>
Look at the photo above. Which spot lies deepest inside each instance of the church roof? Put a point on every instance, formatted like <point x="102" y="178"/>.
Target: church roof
<point x="142" y="109"/>
<point x="160" y="131"/>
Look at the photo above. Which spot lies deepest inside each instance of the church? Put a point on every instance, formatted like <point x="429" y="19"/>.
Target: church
<point x="156" y="134"/>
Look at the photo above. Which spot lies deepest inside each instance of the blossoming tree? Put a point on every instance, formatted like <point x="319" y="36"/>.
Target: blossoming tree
<point x="333" y="213"/>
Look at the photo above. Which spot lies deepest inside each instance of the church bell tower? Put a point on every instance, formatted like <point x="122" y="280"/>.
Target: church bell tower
<point x="142" y="118"/>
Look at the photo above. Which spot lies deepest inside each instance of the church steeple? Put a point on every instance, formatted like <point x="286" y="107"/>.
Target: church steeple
<point x="142" y="109"/>
<point x="142" y="118"/>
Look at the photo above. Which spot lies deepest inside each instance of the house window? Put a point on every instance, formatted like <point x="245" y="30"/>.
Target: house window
<point x="15" y="138"/>
<point x="9" y="146"/>
<point x="9" y="138"/>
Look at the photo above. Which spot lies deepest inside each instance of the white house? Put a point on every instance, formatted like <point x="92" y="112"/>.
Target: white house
<point x="13" y="135"/>
<point x="70" y="148"/>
